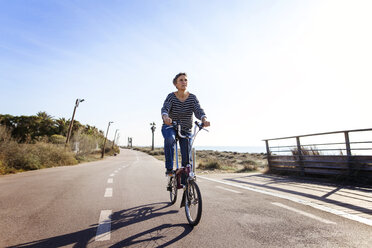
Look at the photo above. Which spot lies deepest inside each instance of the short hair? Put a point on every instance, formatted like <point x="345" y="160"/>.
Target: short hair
<point x="177" y="76"/>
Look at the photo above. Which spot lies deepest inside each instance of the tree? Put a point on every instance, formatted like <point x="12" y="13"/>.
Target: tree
<point x="62" y="126"/>
<point x="29" y="128"/>
<point x="47" y="125"/>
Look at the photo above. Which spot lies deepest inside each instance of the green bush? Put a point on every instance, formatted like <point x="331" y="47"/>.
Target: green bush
<point x="111" y="151"/>
<point x="248" y="168"/>
<point x="22" y="157"/>
<point x="57" y="139"/>
<point x="248" y="162"/>
<point x="5" y="134"/>
<point x="35" y="142"/>
<point x="209" y="165"/>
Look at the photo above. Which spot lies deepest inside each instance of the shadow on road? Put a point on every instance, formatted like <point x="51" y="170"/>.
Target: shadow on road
<point x="162" y="235"/>
<point x="274" y="183"/>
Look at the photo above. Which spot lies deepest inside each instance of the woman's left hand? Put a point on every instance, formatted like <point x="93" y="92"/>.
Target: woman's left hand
<point x="206" y="123"/>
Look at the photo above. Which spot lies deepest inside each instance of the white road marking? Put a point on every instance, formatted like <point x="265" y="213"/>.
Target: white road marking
<point x="104" y="226"/>
<point x="108" y="192"/>
<point x="231" y="190"/>
<point x="307" y="203"/>
<point x="303" y="213"/>
<point x="111" y="175"/>
<point x="116" y="171"/>
<point x="110" y="180"/>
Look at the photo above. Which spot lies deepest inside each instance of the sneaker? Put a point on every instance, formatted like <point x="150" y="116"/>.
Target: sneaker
<point x="168" y="172"/>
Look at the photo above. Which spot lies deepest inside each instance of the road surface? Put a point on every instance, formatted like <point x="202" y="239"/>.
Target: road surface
<point x="122" y="202"/>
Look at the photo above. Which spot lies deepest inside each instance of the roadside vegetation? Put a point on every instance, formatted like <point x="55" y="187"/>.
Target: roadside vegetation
<point x="214" y="161"/>
<point x="38" y="141"/>
<point x="312" y="151"/>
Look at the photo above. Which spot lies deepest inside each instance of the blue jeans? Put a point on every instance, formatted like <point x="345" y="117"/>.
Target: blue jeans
<point x="169" y="135"/>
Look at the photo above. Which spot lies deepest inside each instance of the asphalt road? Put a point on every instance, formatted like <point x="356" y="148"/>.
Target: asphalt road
<point x="122" y="201"/>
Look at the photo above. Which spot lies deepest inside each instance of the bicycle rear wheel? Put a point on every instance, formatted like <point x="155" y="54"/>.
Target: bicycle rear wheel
<point x="173" y="189"/>
<point x="193" y="205"/>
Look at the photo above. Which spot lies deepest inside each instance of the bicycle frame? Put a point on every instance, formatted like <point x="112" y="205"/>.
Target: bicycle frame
<point x="191" y="198"/>
<point x="191" y="140"/>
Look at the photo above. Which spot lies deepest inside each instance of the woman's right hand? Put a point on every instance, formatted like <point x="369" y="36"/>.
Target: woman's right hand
<point x="167" y="120"/>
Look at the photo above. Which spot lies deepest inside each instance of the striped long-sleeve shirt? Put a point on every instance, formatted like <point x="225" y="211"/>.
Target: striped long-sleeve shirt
<point x="182" y="111"/>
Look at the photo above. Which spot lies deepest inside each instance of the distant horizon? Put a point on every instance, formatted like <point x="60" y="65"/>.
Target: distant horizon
<point x="240" y="149"/>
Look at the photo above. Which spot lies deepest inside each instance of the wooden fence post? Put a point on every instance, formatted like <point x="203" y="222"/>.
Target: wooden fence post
<point x="300" y="158"/>
<point x="348" y="151"/>
<point x="268" y="154"/>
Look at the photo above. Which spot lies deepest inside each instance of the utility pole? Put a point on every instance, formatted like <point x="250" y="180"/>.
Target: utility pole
<point x="104" y="144"/>
<point x="153" y="127"/>
<point x="113" y="141"/>
<point x="72" y="120"/>
<point x="117" y="139"/>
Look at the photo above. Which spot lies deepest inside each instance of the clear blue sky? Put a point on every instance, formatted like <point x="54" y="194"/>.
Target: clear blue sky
<point x="261" y="69"/>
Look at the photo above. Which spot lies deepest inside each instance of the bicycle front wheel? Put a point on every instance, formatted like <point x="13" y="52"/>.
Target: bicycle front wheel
<point x="193" y="205"/>
<point x="173" y="189"/>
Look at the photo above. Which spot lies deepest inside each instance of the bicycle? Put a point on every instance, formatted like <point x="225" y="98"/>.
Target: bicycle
<point x="185" y="178"/>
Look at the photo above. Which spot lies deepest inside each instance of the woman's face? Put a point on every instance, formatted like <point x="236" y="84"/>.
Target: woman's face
<point x="181" y="82"/>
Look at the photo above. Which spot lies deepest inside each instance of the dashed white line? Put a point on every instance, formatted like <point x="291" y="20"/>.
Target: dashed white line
<point x="111" y="175"/>
<point x="108" y="192"/>
<point x="307" y="203"/>
<point x="231" y="190"/>
<point x="104" y="226"/>
<point x="303" y="213"/>
<point x="110" y="180"/>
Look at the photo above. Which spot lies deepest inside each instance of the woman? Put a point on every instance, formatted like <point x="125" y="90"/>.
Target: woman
<point x="179" y="106"/>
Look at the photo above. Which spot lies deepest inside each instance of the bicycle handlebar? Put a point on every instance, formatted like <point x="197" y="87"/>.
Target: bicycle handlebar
<point x="177" y="126"/>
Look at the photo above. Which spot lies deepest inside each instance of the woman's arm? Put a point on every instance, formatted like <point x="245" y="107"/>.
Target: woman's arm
<point x="199" y="113"/>
<point x="165" y="110"/>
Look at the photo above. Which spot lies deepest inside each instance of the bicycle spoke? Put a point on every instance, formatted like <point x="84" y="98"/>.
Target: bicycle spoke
<point x="193" y="206"/>
<point x="173" y="190"/>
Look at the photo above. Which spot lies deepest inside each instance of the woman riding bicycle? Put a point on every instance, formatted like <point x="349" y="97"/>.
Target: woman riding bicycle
<point x="179" y="106"/>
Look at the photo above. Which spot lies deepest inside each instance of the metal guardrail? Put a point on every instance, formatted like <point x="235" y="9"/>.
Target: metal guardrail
<point x="319" y="158"/>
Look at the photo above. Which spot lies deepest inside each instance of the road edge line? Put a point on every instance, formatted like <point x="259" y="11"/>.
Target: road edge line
<point x="307" y="203"/>
<point x="104" y="226"/>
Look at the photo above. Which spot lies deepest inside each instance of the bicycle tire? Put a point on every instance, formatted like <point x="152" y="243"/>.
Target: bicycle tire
<point x="173" y="191"/>
<point x="193" y="200"/>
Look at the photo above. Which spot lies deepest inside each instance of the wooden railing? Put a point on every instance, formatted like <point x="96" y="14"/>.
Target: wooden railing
<point x="344" y="153"/>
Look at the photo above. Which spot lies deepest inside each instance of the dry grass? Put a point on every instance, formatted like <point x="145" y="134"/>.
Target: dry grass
<point x="312" y="151"/>
<point x="90" y="157"/>
<point x="219" y="161"/>
<point x="17" y="157"/>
